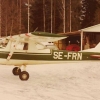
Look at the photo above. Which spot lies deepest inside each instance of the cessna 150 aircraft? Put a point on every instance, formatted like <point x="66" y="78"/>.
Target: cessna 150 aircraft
<point x="27" y="49"/>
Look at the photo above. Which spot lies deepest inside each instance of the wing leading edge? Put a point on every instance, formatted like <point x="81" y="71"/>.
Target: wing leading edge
<point x="38" y="37"/>
<point x="45" y="37"/>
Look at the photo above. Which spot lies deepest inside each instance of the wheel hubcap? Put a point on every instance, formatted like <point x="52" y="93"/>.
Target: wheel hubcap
<point x="24" y="76"/>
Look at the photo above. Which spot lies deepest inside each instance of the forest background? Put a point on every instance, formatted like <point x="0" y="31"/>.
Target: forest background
<point x="55" y="16"/>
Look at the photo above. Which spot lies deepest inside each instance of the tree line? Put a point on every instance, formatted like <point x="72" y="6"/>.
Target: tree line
<point x="53" y="16"/>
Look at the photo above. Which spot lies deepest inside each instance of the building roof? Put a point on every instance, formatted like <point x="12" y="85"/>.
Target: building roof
<point x="95" y="28"/>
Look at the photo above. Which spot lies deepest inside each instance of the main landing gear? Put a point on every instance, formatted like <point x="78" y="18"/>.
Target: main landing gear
<point x="23" y="75"/>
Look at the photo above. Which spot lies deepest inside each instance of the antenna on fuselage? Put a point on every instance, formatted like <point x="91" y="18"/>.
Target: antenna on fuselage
<point x="35" y="29"/>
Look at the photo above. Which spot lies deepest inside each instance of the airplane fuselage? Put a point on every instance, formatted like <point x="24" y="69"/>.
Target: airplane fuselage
<point x="55" y="56"/>
<point x="27" y="49"/>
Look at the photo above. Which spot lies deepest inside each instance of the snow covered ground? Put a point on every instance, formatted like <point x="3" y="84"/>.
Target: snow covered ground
<point x="70" y="81"/>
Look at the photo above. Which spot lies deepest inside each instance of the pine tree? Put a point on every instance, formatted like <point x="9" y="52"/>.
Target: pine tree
<point x="89" y="8"/>
<point x="37" y="16"/>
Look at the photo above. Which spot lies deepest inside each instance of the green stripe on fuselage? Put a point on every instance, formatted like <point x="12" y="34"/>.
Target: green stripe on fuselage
<point x="26" y="56"/>
<point x="55" y="55"/>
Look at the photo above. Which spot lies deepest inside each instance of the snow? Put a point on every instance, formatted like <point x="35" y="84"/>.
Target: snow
<point x="70" y="81"/>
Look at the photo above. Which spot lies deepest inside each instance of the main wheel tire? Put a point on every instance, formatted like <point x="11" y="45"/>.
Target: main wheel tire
<point x="24" y="76"/>
<point x="16" y="71"/>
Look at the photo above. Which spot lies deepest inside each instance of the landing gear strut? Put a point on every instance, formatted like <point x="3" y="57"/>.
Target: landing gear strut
<point x="23" y="75"/>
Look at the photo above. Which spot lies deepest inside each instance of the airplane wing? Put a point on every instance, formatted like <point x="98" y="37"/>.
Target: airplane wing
<point x="38" y="37"/>
<point x="43" y="36"/>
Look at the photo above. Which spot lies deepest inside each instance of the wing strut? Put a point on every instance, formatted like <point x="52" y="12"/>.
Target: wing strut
<point x="13" y="49"/>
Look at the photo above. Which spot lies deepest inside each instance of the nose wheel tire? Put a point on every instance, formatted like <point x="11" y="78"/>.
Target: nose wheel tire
<point x="24" y="75"/>
<point x="16" y="71"/>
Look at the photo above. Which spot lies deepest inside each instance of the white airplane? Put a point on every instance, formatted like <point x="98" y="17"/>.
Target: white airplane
<point x="27" y="49"/>
<point x="38" y="48"/>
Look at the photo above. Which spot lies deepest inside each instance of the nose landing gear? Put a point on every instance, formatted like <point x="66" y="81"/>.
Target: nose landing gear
<point x="23" y="75"/>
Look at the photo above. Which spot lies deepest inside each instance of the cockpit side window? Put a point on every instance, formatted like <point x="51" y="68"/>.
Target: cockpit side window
<point x="20" y="46"/>
<point x="25" y="46"/>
